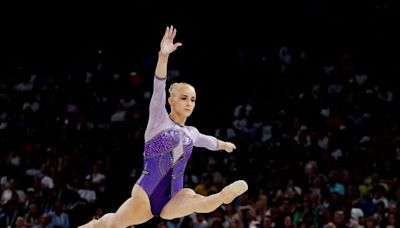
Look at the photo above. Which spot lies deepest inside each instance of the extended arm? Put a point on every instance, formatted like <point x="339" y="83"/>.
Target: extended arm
<point x="211" y="143"/>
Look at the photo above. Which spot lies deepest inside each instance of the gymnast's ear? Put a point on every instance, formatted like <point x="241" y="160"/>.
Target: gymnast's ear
<point x="170" y="100"/>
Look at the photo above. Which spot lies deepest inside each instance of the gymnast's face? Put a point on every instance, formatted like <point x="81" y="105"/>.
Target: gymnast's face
<point x="183" y="100"/>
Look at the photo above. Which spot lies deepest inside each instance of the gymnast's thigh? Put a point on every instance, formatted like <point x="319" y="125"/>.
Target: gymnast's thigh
<point x="136" y="209"/>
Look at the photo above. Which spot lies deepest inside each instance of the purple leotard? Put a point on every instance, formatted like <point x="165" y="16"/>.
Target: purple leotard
<point x="167" y="149"/>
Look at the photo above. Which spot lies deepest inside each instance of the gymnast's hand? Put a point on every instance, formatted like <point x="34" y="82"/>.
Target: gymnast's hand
<point x="227" y="146"/>
<point x="167" y="45"/>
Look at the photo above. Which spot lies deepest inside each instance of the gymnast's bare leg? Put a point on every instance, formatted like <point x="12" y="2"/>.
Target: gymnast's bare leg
<point x="135" y="210"/>
<point x="187" y="201"/>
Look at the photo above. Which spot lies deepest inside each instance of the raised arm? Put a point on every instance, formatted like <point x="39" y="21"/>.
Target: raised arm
<point x="167" y="46"/>
<point x="157" y="110"/>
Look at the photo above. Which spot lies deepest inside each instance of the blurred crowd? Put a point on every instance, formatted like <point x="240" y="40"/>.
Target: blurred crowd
<point x="317" y="140"/>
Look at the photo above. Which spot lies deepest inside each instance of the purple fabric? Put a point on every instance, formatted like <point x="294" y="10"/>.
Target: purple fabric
<point x="161" y="195"/>
<point x="162" y="176"/>
<point x="163" y="142"/>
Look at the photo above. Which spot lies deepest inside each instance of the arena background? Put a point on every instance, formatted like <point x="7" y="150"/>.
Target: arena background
<point x="87" y="58"/>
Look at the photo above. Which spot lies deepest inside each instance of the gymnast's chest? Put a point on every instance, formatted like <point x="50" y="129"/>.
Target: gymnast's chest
<point x="167" y="141"/>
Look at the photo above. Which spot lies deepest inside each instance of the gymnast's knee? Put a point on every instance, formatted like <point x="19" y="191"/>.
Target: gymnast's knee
<point x="171" y="215"/>
<point x="166" y="216"/>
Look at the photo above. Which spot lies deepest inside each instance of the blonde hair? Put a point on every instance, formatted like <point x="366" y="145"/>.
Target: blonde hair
<point x="175" y="85"/>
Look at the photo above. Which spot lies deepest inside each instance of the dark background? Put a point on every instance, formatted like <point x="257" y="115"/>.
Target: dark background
<point x="221" y="43"/>
<point x="223" y="46"/>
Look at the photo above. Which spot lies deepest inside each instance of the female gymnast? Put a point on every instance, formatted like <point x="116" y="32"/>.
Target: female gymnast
<point x="168" y="145"/>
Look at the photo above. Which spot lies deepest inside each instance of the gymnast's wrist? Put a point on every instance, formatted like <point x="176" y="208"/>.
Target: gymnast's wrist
<point x="163" y="55"/>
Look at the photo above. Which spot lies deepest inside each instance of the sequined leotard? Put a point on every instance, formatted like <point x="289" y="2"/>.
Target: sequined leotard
<point x="167" y="149"/>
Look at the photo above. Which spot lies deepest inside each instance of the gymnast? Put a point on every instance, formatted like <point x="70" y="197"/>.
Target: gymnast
<point x="168" y="145"/>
